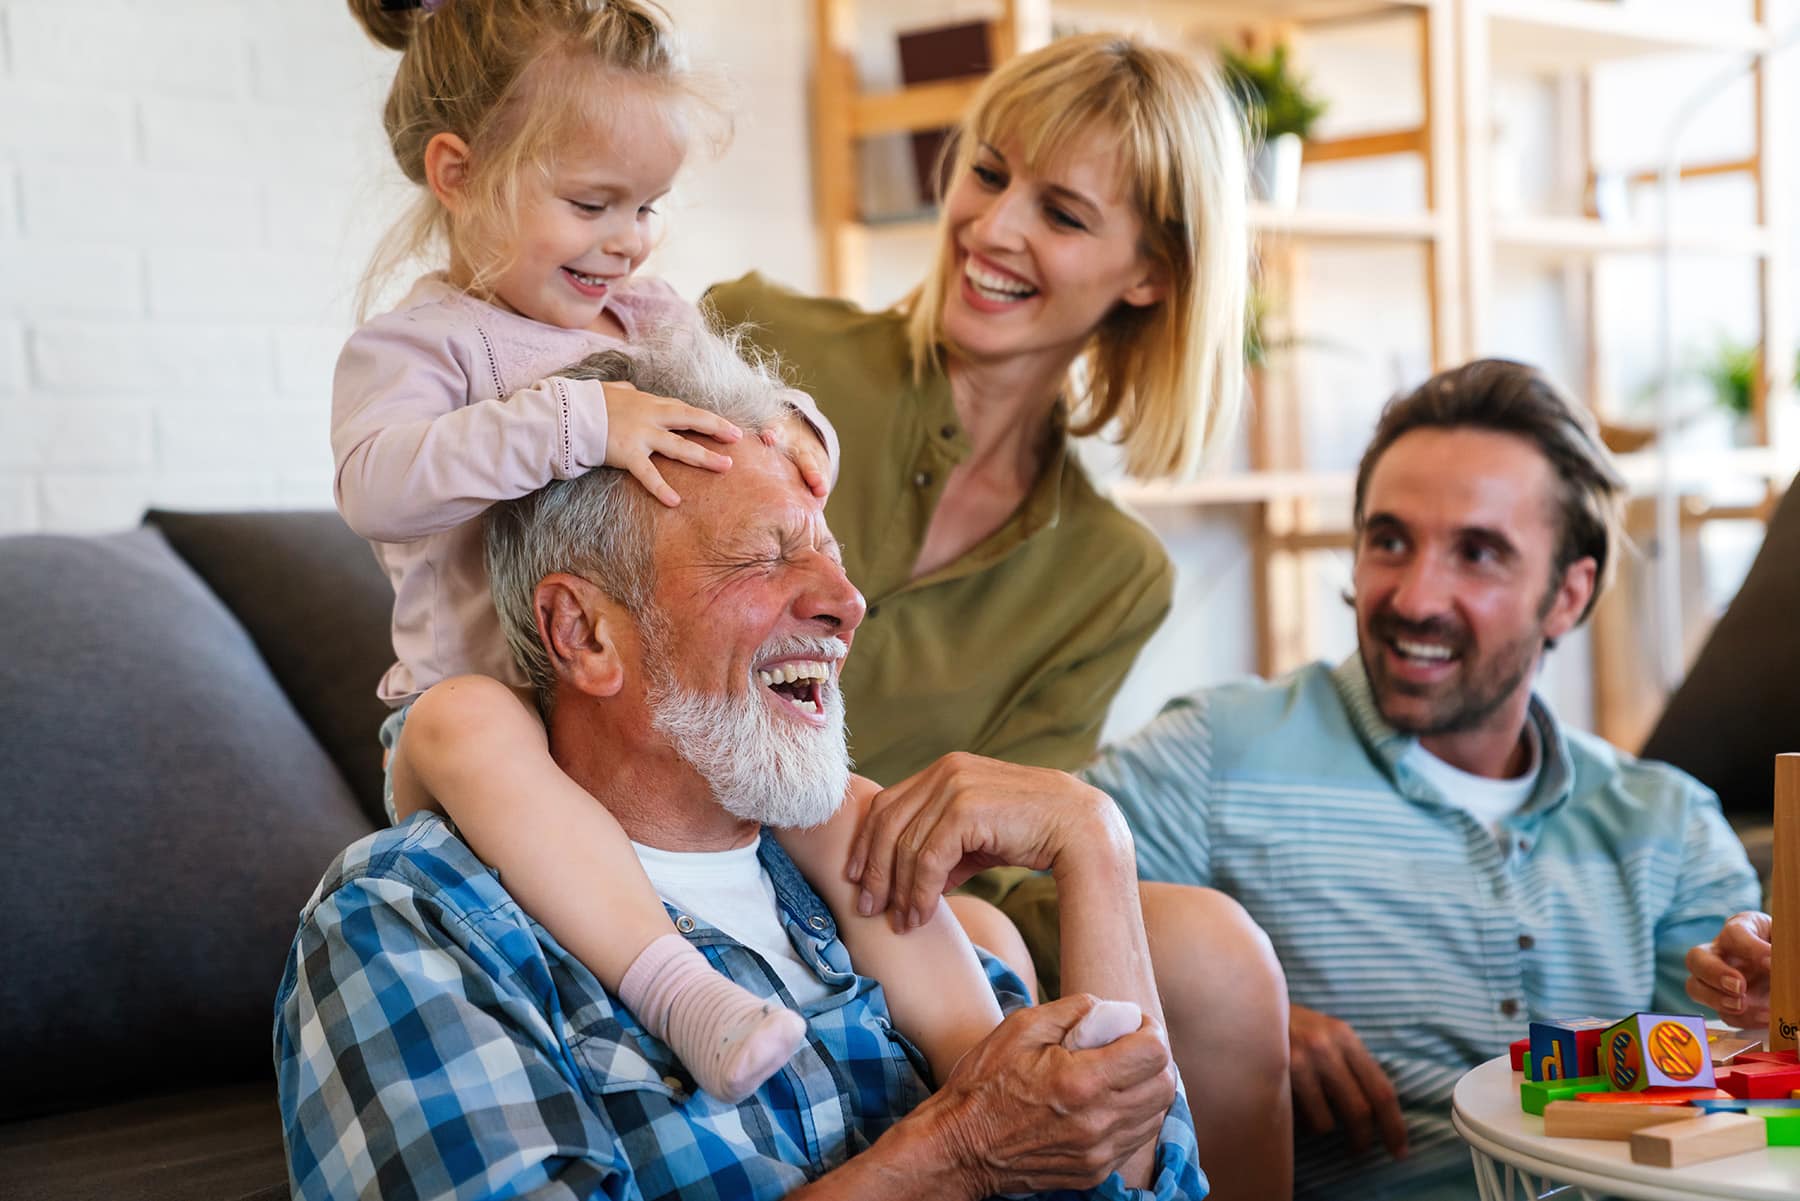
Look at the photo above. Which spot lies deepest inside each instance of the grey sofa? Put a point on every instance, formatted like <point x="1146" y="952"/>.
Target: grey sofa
<point x="187" y="737"/>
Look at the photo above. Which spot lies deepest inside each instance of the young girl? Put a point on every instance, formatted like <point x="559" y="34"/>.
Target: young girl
<point x="543" y="133"/>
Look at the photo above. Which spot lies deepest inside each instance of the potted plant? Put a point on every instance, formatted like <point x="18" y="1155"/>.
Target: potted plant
<point x="1731" y="374"/>
<point x="1281" y="112"/>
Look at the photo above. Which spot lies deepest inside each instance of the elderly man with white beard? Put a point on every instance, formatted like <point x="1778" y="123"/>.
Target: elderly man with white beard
<point x="434" y="1040"/>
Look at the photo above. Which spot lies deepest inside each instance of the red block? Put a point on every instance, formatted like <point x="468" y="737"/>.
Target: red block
<point x="1760" y="1080"/>
<point x="1520" y="1049"/>
<point x="1656" y="1096"/>
<point x="1790" y="1057"/>
<point x="1587" y="1051"/>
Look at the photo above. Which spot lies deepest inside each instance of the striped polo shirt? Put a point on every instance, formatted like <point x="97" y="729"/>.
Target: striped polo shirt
<point x="1400" y="913"/>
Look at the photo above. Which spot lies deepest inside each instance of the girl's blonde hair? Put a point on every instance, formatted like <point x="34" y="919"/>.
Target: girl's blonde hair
<point x="514" y="80"/>
<point x="1170" y="373"/>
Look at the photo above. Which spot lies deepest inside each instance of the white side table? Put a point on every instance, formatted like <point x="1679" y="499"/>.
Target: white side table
<point x="1514" y="1160"/>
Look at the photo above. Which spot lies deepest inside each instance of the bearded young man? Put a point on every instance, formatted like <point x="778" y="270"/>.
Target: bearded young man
<point x="434" y="1041"/>
<point x="1437" y="859"/>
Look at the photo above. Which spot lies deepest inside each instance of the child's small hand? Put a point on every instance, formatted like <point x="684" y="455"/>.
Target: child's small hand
<point x="799" y="441"/>
<point x="639" y="424"/>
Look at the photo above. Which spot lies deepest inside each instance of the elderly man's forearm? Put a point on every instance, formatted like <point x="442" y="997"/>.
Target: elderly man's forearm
<point x="918" y="1157"/>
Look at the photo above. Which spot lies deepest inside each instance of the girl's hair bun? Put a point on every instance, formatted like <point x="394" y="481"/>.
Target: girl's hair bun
<point x="387" y="23"/>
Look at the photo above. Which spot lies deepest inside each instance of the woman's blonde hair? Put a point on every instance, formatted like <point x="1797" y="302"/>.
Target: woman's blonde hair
<point x="514" y="80"/>
<point x="1170" y="373"/>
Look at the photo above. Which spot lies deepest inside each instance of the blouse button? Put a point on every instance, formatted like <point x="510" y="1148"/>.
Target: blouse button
<point x="685" y="924"/>
<point x="949" y="431"/>
<point x="922" y="479"/>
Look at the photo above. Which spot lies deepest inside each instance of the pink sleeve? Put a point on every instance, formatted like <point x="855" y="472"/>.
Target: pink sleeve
<point x="415" y="457"/>
<point x="658" y="302"/>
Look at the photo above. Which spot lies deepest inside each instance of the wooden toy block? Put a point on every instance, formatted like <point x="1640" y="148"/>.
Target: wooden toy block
<point x="1728" y="1048"/>
<point x="1572" y="1119"/>
<point x="1565" y="1049"/>
<point x="1534" y="1095"/>
<point x="1519" y="1051"/>
<point x="1656" y="1096"/>
<point x="1656" y="1050"/>
<point x="1784" y="908"/>
<point x="1673" y="1144"/>
<point x="1746" y="1105"/>
<point x="1791" y="1058"/>
<point x="1760" y="1080"/>
<point x="1781" y="1125"/>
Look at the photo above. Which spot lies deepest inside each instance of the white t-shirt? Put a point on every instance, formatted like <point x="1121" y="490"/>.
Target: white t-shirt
<point x="1490" y="802"/>
<point x="730" y="890"/>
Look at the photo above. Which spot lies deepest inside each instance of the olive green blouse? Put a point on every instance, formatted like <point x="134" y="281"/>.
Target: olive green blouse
<point x="1015" y="649"/>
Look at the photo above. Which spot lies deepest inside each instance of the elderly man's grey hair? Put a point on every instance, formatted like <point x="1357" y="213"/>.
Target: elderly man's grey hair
<point x="597" y="525"/>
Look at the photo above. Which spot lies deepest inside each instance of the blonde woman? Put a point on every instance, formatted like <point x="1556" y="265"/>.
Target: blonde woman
<point x="1091" y="274"/>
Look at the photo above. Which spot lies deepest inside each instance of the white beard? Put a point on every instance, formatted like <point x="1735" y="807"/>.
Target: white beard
<point x="760" y="767"/>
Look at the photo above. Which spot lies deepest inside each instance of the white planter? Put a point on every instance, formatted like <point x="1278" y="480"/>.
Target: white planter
<point x="1276" y="171"/>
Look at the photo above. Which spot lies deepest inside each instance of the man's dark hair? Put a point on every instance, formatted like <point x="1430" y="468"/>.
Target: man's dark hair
<point x="1512" y="398"/>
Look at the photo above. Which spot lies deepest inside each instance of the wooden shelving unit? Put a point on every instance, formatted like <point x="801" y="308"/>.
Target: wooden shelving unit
<point x="1461" y="46"/>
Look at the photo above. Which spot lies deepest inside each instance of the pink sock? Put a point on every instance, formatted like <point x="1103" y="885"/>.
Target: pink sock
<point x="1106" y="1022"/>
<point x="730" y="1040"/>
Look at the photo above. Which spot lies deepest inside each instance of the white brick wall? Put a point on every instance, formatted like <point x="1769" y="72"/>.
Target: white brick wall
<point x="189" y="191"/>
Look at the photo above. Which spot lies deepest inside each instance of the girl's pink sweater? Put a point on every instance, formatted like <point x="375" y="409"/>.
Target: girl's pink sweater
<point x="444" y="406"/>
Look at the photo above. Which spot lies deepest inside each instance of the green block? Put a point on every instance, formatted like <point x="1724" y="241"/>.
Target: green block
<point x="1535" y="1094"/>
<point x="1783" y="1124"/>
<point x="1525" y="1062"/>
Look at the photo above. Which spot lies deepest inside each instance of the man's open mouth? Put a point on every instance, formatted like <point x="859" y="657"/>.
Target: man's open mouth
<point x="800" y="682"/>
<point x="1421" y="652"/>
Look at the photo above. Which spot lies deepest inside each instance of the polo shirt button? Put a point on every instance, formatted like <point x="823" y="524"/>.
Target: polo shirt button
<point x="922" y="479"/>
<point x="1526" y="942"/>
<point x="816" y="922"/>
<point x="685" y="924"/>
<point x="1509" y="1007"/>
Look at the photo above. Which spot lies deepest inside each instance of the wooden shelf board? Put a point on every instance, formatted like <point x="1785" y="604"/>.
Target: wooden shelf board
<point x="1326" y="226"/>
<point x="1587" y="236"/>
<point x="1218" y="14"/>
<point x="1691" y="468"/>
<point x="921" y="106"/>
<point x="1547" y="36"/>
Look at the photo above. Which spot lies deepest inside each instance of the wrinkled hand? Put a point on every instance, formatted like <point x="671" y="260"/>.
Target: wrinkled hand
<point x="799" y="441"/>
<point x="1731" y="973"/>
<point x="1336" y="1080"/>
<point x="642" y="424"/>
<point x="1022" y="1113"/>
<point x="964" y="813"/>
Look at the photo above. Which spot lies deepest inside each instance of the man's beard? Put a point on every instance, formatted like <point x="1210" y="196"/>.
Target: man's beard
<point x="1463" y="703"/>
<point x="759" y="766"/>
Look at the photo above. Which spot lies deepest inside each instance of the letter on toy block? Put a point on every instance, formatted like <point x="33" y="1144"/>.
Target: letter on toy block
<point x="1566" y="1049"/>
<point x="1572" y="1119"/>
<point x="1784" y="907"/>
<point x="1712" y="1137"/>
<point x="1656" y="1050"/>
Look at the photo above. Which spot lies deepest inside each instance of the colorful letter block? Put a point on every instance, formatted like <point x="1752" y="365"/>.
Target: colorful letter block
<point x="1656" y="1050"/>
<point x="1566" y="1049"/>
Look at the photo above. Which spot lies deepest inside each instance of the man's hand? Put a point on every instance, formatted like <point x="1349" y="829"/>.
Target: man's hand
<point x="1023" y="1113"/>
<point x="965" y="813"/>
<point x="1336" y="1080"/>
<point x="1731" y="973"/>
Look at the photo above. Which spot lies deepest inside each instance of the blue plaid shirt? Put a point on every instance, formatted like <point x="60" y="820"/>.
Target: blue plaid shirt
<point x="431" y="1040"/>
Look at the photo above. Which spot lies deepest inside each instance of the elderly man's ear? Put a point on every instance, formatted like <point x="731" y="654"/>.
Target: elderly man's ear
<point x="579" y="626"/>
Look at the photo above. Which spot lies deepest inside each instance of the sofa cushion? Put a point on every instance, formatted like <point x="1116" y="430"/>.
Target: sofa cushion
<point x="1739" y="706"/>
<point x="317" y="605"/>
<point x="167" y="814"/>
